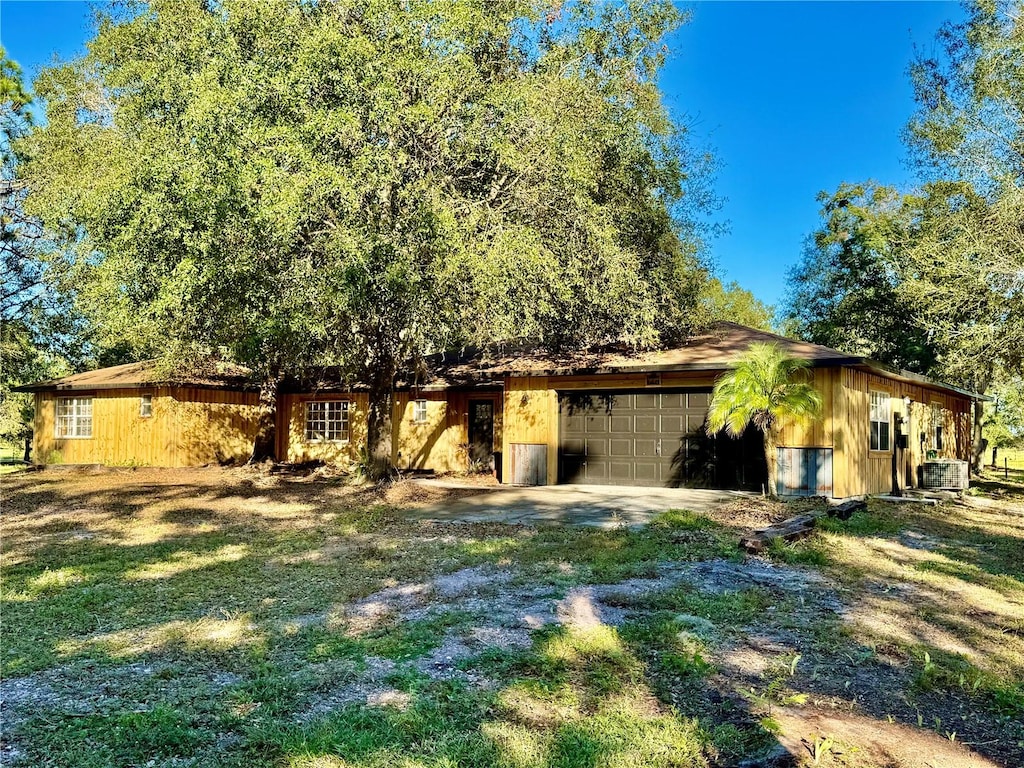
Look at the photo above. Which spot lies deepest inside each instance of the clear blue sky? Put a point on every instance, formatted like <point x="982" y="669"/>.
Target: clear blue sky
<point x="793" y="97"/>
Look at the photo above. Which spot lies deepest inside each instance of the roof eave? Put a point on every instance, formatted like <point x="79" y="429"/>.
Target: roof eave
<point x="917" y="378"/>
<point x="58" y="387"/>
<point x="663" y="368"/>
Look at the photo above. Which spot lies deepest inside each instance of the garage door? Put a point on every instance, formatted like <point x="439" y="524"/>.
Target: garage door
<point x="631" y="438"/>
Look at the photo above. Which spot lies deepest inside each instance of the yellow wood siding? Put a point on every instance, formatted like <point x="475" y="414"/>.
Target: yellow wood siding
<point x="439" y="444"/>
<point x="442" y="443"/>
<point x="188" y="427"/>
<point x="863" y="471"/>
<point x="820" y="432"/>
<point x="291" y="430"/>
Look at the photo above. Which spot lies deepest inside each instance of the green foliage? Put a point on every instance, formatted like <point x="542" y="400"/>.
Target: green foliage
<point x="848" y="291"/>
<point x="735" y="304"/>
<point x="355" y="184"/>
<point x="931" y="280"/>
<point x="762" y="389"/>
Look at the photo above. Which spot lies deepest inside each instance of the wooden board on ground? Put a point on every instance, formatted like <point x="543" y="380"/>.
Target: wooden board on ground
<point x="798" y="527"/>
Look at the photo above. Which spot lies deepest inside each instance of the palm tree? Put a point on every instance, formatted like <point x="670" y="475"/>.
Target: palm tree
<point x="764" y="387"/>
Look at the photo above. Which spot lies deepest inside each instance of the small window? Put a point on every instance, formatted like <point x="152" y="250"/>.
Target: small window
<point x="880" y="421"/>
<point x="419" y="411"/>
<point x="74" y="417"/>
<point x="936" y="427"/>
<point x="145" y="406"/>
<point x="327" y="421"/>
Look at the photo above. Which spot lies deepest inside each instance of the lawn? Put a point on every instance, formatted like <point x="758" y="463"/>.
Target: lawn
<point x="229" y="618"/>
<point x="11" y="458"/>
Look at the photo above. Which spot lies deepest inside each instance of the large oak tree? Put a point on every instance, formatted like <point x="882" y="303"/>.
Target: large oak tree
<point x="297" y="184"/>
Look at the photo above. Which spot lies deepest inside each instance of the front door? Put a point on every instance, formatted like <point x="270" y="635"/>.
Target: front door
<point x="481" y="434"/>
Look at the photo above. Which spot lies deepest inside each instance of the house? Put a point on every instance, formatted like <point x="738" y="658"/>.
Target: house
<point x="132" y="415"/>
<point x="602" y="416"/>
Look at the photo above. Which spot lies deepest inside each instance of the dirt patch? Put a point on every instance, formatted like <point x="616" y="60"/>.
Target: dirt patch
<point x="855" y="741"/>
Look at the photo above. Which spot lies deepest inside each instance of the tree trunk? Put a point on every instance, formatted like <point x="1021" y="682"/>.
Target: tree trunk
<point x="771" y="458"/>
<point x="378" y="420"/>
<point x="265" y="445"/>
<point x="978" y="446"/>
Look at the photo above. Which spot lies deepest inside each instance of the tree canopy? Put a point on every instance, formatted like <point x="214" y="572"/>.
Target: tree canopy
<point x="300" y="184"/>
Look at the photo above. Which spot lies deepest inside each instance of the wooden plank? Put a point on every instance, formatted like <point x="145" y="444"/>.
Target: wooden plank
<point x="793" y="529"/>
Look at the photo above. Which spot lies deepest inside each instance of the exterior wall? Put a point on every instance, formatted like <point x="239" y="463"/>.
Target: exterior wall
<point x="859" y="470"/>
<point x="440" y="444"/>
<point x="189" y="427"/>
<point x="531" y="409"/>
<point x="291" y="430"/>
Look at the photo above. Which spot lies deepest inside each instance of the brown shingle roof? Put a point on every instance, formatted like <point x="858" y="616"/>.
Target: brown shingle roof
<point x="214" y="375"/>
<point x="715" y="350"/>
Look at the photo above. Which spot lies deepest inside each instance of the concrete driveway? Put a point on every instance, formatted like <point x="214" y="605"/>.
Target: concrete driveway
<point x="599" y="506"/>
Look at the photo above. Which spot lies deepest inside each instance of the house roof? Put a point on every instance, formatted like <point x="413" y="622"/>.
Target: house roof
<point x="723" y="344"/>
<point x="147" y="373"/>
<point x="715" y="350"/>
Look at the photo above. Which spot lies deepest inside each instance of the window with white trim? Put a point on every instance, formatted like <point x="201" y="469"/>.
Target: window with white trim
<point x="145" y="406"/>
<point x="327" y="421"/>
<point x="935" y="431"/>
<point x="880" y="421"/>
<point x="419" y="411"/>
<point x="74" y="417"/>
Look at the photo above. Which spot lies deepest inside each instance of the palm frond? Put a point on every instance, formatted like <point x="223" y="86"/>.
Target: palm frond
<point x="764" y="387"/>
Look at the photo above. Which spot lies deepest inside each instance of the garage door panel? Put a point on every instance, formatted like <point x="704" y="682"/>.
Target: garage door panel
<point x="574" y="446"/>
<point x="596" y="448"/>
<point x="620" y="424"/>
<point x="620" y="446"/>
<point x="647" y="402"/>
<point x="673" y="423"/>
<point x="698" y="399"/>
<point x="645" y="424"/>
<point x="646" y="472"/>
<point x="645" y="446"/>
<point x="621" y="472"/>
<point x="673" y="400"/>
<point x="695" y="423"/>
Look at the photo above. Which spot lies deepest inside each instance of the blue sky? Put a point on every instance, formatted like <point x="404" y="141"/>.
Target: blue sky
<point x="794" y="98"/>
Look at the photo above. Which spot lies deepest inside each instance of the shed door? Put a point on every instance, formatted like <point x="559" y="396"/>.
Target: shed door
<point x="804" y="472"/>
<point x="630" y="438"/>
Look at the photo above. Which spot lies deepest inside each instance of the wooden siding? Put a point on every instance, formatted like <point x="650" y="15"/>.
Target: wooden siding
<point x="188" y="427"/>
<point x="440" y="444"/>
<point x="531" y="417"/>
<point x="820" y="432"/>
<point x="859" y="470"/>
<point x="292" y="445"/>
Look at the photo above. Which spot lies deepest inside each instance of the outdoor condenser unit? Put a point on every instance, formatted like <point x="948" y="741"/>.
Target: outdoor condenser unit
<point x="949" y="474"/>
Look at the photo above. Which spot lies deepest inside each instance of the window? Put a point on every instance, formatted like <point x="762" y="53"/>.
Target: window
<point x="880" y="421"/>
<point x="74" y="417"/>
<point x="935" y="429"/>
<point x="327" y="420"/>
<point x="145" y="406"/>
<point x="419" y="411"/>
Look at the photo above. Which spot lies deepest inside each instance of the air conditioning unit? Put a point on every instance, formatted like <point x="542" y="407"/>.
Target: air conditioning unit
<point x="948" y="474"/>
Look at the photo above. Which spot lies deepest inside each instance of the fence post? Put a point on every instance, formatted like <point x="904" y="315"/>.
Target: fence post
<point x="1006" y="468"/>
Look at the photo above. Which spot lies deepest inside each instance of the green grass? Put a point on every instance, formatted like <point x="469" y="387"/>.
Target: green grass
<point x="10" y="459"/>
<point x="167" y="621"/>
